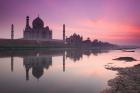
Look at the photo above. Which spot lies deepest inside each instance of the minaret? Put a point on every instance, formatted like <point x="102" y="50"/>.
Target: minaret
<point x="12" y="31"/>
<point x="27" y="21"/>
<point x="64" y="32"/>
<point x="26" y="35"/>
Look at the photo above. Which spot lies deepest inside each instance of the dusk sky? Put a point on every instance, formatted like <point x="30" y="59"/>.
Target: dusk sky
<point x="115" y="21"/>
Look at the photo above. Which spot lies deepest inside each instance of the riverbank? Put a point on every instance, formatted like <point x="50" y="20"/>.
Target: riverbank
<point x="19" y="44"/>
<point x="127" y="81"/>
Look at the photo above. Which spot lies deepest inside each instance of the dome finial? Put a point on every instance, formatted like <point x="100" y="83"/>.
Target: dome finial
<point x="38" y="14"/>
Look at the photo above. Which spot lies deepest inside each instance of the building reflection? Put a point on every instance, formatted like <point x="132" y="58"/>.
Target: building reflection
<point x="64" y="62"/>
<point x="37" y="61"/>
<point x="37" y="64"/>
<point x="77" y="54"/>
<point x="12" y="63"/>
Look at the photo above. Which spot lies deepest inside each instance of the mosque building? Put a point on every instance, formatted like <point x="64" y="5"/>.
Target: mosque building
<point x="37" y="31"/>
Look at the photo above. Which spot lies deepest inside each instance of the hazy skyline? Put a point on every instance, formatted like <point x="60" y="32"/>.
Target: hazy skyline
<point x="115" y="21"/>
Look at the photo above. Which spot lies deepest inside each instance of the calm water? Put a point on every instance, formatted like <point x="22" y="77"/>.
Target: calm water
<point x="53" y="71"/>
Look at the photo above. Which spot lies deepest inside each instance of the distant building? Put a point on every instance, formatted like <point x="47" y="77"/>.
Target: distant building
<point x="74" y="39"/>
<point x="37" y="31"/>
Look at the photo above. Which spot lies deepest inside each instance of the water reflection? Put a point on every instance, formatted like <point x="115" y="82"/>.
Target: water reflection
<point x="37" y="64"/>
<point x="12" y="63"/>
<point x="37" y="61"/>
<point x="59" y="71"/>
<point x="77" y="54"/>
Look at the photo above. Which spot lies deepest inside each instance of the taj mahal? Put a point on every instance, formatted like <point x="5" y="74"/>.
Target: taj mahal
<point x="38" y="31"/>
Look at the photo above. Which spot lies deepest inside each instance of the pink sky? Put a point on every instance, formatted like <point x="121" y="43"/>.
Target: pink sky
<point x="115" y="21"/>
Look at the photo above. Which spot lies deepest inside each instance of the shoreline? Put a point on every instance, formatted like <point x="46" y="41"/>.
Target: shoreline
<point x="127" y="80"/>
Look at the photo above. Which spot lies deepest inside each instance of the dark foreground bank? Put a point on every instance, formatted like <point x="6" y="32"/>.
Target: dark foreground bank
<point x="127" y="81"/>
